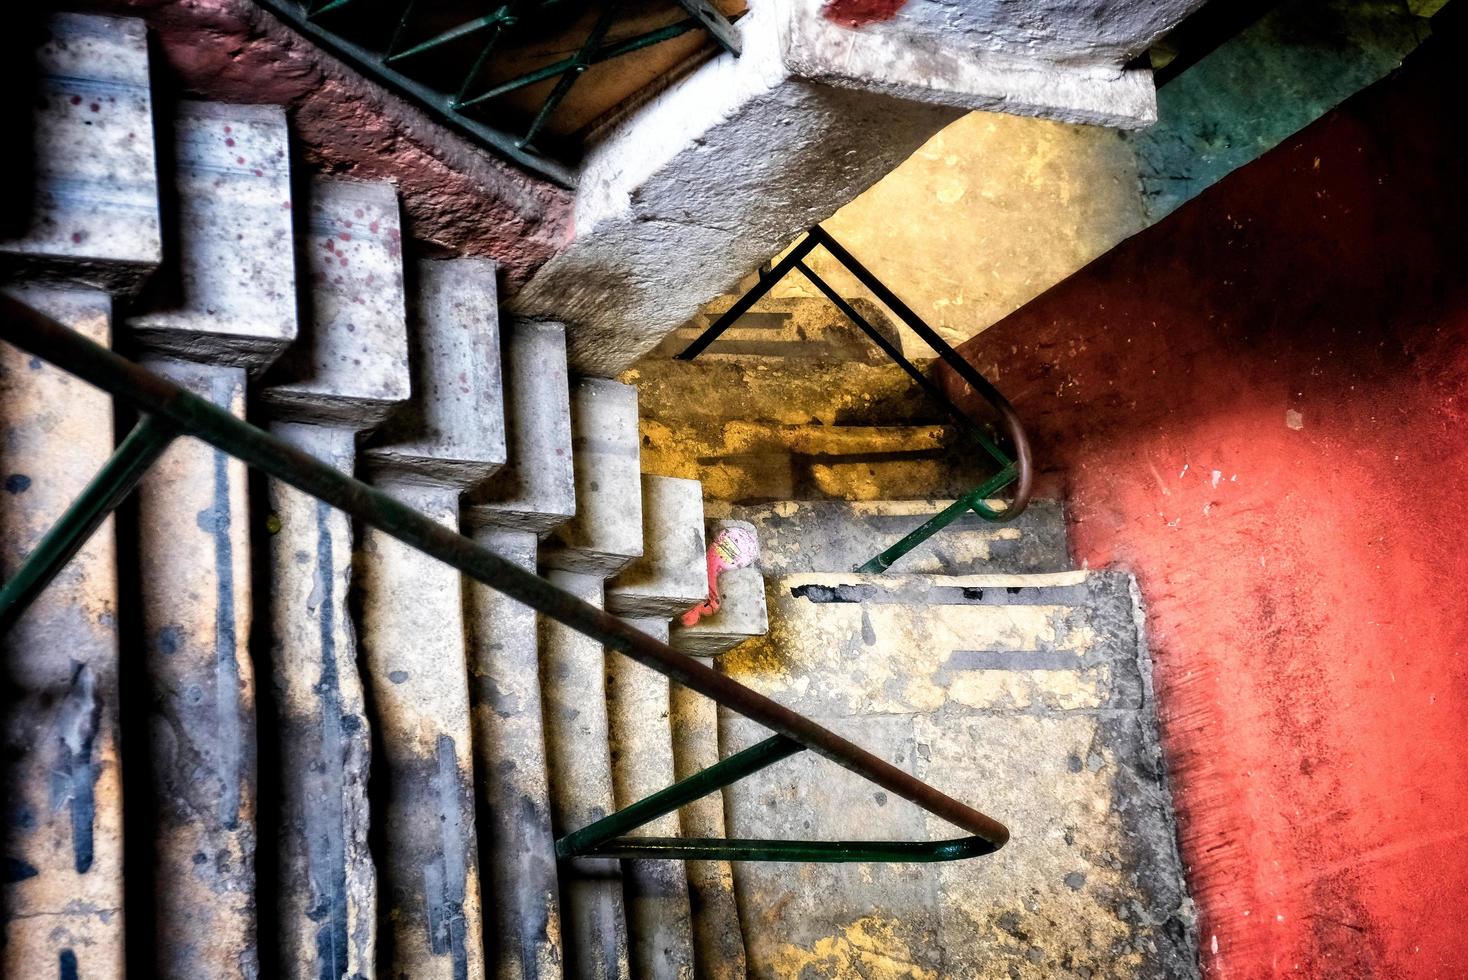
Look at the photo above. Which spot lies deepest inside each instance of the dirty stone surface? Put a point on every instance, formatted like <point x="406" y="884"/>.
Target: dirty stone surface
<point x="659" y="923"/>
<point x="326" y="888"/>
<point x="573" y="679"/>
<point x="516" y="843"/>
<point x="453" y="429"/>
<point x="62" y="898"/>
<point x="92" y="160"/>
<point x="536" y="488"/>
<point x="350" y="365"/>
<point x="840" y="535"/>
<point x="605" y="535"/>
<point x="412" y="640"/>
<point x="228" y="293"/>
<point x="672" y="574"/>
<point x="195" y="615"/>
<point x="718" y="940"/>
<point x="1026" y="696"/>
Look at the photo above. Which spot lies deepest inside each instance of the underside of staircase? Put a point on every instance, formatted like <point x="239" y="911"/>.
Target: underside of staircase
<point x="247" y="737"/>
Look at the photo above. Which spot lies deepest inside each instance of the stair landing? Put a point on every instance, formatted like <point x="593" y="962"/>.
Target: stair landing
<point x="1027" y="696"/>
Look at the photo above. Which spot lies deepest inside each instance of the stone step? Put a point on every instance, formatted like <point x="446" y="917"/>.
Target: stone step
<point x="718" y="939"/>
<point x="517" y="844"/>
<point x="350" y="364"/>
<point x="228" y="292"/>
<point x="573" y="676"/>
<point x="448" y="439"/>
<point x="672" y="574"/>
<point x="93" y="215"/>
<point x="326" y="887"/>
<point x="326" y="883"/>
<point x="412" y="638"/>
<point x="659" y="921"/>
<point x="840" y="535"/>
<point x="741" y="614"/>
<point x="195" y="589"/>
<point x="1027" y="696"/>
<point x="63" y="783"/>
<point x="452" y="431"/>
<point x="536" y="489"/>
<point x="605" y="535"/>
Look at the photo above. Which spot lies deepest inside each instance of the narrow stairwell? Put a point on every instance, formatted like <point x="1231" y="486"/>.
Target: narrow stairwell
<point x="421" y="741"/>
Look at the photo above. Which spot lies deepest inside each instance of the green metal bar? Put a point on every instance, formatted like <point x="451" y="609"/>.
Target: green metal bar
<point x="100" y="497"/>
<point x="399" y="32"/>
<point x="946" y="516"/>
<point x="328" y="7"/>
<point x="437" y="103"/>
<point x="38" y="334"/>
<point x="604" y="53"/>
<point x="921" y="380"/>
<point x="700" y="784"/>
<point x="813" y="852"/>
<point x="580" y="63"/>
<point x="452" y="34"/>
<point x="482" y="59"/>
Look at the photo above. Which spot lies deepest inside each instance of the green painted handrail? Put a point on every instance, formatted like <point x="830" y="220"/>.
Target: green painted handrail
<point x="170" y="411"/>
<point x="1016" y="471"/>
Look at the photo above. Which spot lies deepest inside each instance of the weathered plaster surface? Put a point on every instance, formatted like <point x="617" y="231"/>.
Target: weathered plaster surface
<point x="1275" y="78"/>
<point x="62" y="897"/>
<point x="454" y="195"/>
<point x="1022" y="695"/>
<point x="1003" y="207"/>
<point x="999" y="208"/>
<point x="1258" y="405"/>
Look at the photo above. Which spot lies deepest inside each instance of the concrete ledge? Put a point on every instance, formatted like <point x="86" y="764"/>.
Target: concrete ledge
<point x="672" y="574"/>
<point x="228" y="293"/>
<point x="350" y="366"/>
<point x="820" y="50"/>
<point x="94" y="219"/>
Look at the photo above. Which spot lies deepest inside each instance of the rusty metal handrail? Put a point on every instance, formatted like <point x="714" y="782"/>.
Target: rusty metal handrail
<point x="169" y="411"/>
<point x="1018" y="470"/>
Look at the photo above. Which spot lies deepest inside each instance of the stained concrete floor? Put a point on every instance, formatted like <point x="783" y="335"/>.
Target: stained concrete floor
<point x="983" y="665"/>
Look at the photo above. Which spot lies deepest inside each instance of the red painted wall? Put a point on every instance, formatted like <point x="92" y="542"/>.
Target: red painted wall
<point x="1305" y="575"/>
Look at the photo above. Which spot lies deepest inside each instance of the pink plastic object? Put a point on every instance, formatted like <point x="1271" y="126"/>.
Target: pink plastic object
<point x="732" y="547"/>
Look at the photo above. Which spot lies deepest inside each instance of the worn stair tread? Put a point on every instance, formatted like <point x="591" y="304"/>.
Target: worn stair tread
<point x="229" y="294"/>
<point x="605" y="535"/>
<point x="1025" y="696"/>
<point x="453" y="428"/>
<point x="61" y="661"/>
<point x="349" y="365"/>
<point x="536" y="488"/>
<point x="578" y="759"/>
<point x="672" y="574"/>
<point x="94" y="215"/>
<point x="924" y="643"/>
<point x="659" y="924"/>
<point x="517" y="845"/>
<point x="838" y="535"/>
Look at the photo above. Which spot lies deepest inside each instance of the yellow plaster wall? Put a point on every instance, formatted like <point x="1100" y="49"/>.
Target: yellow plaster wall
<point x="988" y="214"/>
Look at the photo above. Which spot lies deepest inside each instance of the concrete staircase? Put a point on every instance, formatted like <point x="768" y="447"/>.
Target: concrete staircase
<point x="344" y="760"/>
<point x="357" y="763"/>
